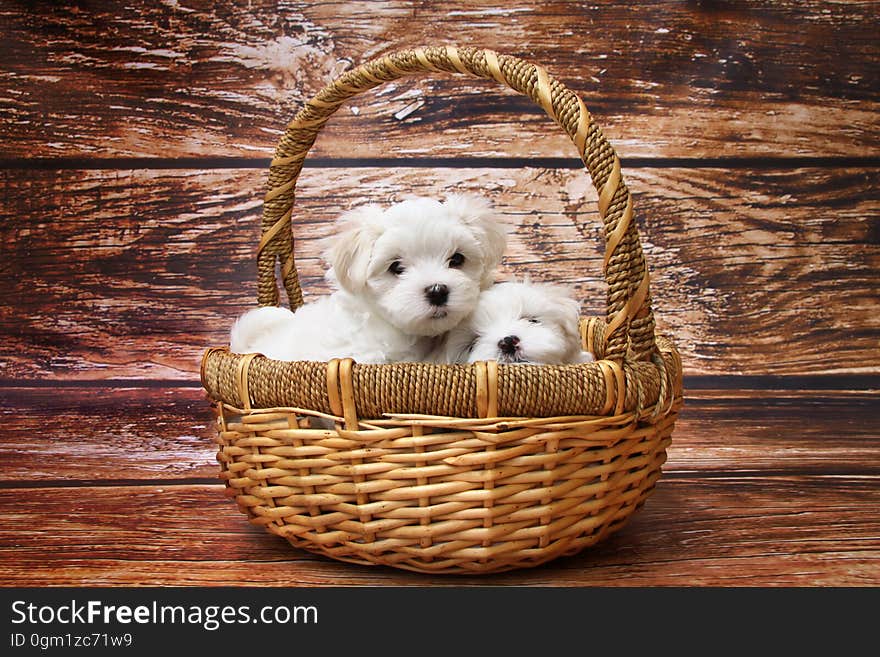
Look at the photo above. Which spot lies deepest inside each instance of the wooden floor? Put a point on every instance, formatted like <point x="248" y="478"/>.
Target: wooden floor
<point x="122" y="491"/>
<point x="134" y="143"/>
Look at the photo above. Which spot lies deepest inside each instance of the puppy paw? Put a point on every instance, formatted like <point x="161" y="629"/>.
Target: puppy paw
<point x="584" y="357"/>
<point x="256" y="328"/>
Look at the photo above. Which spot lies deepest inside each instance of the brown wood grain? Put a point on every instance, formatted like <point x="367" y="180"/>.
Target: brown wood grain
<point x="803" y="531"/>
<point x="113" y="434"/>
<point x="107" y="434"/>
<point x="115" y="275"/>
<point x="664" y="79"/>
<point x="132" y="274"/>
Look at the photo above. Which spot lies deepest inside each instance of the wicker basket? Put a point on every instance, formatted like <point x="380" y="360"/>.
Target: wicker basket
<point x="450" y="468"/>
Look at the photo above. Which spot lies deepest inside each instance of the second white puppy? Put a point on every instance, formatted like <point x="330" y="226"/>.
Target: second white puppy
<point x="405" y="275"/>
<point x="518" y="323"/>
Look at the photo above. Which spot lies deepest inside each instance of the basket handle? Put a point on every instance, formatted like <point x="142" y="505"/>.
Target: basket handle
<point x="629" y="316"/>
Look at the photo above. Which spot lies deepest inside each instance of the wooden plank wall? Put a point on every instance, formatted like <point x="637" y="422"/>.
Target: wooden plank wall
<point x="134" y="143"/>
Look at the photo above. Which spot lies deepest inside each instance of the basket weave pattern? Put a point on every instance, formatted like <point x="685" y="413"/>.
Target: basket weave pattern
<point x="450" y="468"/>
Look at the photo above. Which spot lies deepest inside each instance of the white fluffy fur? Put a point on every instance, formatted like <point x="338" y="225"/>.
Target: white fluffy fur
<point x="376" y="316"/>
<point x="542" y="317"/>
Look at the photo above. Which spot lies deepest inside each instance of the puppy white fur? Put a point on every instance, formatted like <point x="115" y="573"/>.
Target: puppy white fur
<point x="405" y="275"/>
<point x="518" y="323"/>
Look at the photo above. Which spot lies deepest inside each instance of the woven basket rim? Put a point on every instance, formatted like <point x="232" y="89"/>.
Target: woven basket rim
<point x="252" y="381"/>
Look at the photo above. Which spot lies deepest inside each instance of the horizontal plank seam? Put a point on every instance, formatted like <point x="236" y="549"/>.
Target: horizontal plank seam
<point x="869" y="474"/>
<point x="109" y="483"/>
<point x="734" y="382"/>
<point x="723" y="557"/>
<point x="807" y="382"/>
<point x="775" y="473"/>
<point x="209" y="162"/>
<point x="298" y="557"/>
<point x="101" y="383"/>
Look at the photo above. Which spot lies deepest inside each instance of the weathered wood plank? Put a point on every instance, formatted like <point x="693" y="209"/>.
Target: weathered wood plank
<point x="131" y="274"/>
<point x="110" y="434"/>
<point x="99" y="434"/>
<point x="805" y="531"/>
<point x="215" y="78"/>
<point x="757" y="432"/>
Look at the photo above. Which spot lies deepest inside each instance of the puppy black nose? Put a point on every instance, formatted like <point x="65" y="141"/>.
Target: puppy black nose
<point x="508" y="345"/>
<point x="437" y="295"/>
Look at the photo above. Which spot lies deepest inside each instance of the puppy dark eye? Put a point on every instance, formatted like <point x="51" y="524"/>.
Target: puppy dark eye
<point x="396" y="268"/>
<point x="533" y="320"/>
<point x="457" y="260"/>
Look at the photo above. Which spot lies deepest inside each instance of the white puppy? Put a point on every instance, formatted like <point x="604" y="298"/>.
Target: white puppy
<point x="405" y="275"/>
<point x="518" y="323"/>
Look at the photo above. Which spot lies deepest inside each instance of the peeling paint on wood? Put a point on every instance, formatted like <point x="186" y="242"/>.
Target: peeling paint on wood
<point x="664" y="80"/>
<point x="117" y="274"/>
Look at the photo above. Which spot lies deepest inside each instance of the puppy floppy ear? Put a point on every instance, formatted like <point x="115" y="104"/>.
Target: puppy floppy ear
<point x="348" y="252"/>
<point x="563" y="296"/>
<point x="478" y="214"/>
<point x="569" y="310"/>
